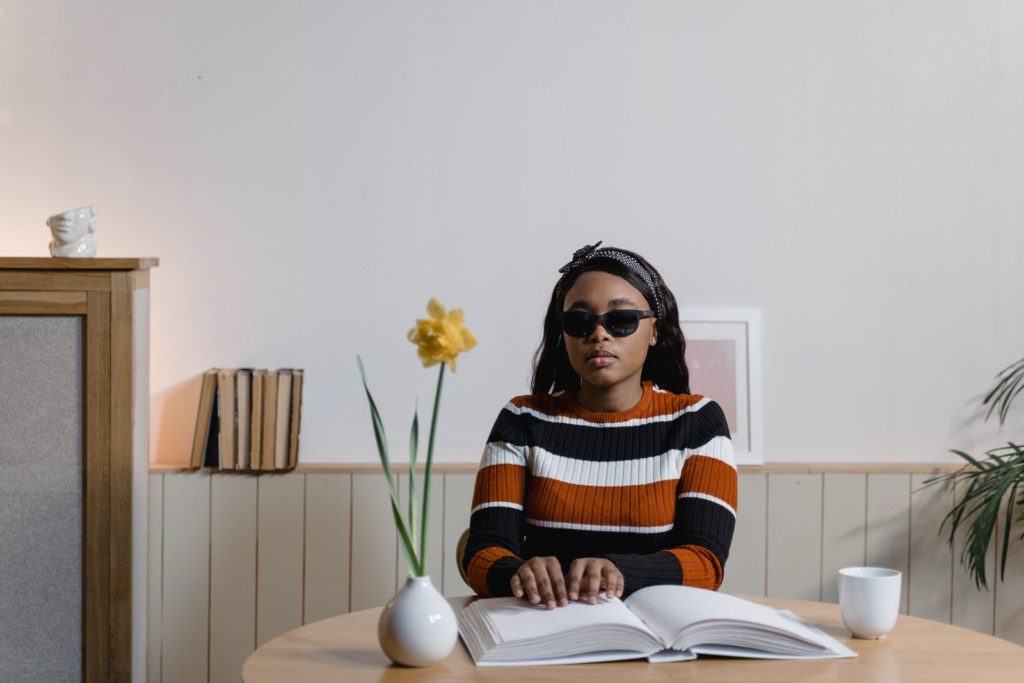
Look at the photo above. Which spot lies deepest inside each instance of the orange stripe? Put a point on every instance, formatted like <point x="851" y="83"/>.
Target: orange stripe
<point x="500" y="483"/>
<point x="667" y="403"/>
<point x="480" y="564"/>
<point x="544" y="403"/>
<point x="558" y="406"/>
<point x="643" y="505"/>
<point x="702" y="474"/>
<point x="700" y="566"/>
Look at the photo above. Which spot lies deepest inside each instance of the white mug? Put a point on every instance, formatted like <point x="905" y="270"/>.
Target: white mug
<point x="869" y="598"/>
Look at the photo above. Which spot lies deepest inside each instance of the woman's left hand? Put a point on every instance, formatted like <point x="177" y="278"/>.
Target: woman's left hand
<point x="589" y="575"/>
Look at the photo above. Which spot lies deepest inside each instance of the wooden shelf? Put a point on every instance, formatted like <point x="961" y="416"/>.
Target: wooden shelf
<point x="470" y="468"/>
<point x="50" y="263"/>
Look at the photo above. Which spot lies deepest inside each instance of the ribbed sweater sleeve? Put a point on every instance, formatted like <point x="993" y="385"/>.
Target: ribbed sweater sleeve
<point x="493" y="552"/>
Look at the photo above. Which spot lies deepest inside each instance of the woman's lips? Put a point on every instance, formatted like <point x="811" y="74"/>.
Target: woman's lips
<point x="600" y="359"/>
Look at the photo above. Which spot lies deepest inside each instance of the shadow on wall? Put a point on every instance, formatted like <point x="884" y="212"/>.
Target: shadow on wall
<point x="174" y="419"/>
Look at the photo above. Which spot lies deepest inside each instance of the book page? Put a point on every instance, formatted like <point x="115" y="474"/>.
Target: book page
<point x="517" y="619"/>
<point x="511" y="631"/>
<point x="684" y="617"/>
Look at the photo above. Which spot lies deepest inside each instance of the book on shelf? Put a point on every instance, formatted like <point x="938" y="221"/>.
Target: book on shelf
<point x="295" y="421"/>
<point x="205" y="426"/>
<point x="284" y="411"/>
<point x="256" y="419"/>
<point x="243" y="382"/>
<point x="248" y="420"/>
<point x="228" y="425"/>
<point x="270" y="383"/>
<point x="659" y="623"/>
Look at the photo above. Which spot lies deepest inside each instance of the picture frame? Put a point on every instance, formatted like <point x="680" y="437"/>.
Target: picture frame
<point x="723" y="356"/>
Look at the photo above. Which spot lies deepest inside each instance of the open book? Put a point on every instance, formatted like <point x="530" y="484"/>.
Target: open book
<point x="661" y="623"/>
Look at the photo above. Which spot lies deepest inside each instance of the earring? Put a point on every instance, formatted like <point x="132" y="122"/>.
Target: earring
<point x="654" y="341"/>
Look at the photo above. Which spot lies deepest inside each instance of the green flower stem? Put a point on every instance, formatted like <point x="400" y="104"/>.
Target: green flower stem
<point x="407" y="544"/>
<point x="426" y="474"/>
<point x="414" y="437"/>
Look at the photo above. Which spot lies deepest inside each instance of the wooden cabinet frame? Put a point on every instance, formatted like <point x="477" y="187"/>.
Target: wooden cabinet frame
<point x="107" y="294"/>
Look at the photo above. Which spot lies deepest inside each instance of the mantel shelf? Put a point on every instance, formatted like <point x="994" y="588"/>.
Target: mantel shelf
<point x="928" y="468"/>
<point x="50" y="263"/>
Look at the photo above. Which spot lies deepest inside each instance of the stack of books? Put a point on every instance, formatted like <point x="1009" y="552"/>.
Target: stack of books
<point x="248" y="420"/>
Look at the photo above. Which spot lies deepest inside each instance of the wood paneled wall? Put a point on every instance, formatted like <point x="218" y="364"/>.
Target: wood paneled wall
<point x="236" y="560"/>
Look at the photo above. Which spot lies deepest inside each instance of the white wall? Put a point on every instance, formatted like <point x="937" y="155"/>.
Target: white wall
<point x="310" y="173"/>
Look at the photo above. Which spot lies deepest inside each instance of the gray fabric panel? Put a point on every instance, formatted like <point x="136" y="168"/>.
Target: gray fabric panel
<point x="41" y="498"/>
<point x="140" y="481"/>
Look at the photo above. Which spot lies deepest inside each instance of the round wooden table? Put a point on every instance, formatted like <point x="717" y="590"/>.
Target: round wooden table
<point x="344" y="648"/>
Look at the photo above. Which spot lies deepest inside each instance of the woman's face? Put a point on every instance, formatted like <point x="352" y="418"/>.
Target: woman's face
<point x="602" y="361"/>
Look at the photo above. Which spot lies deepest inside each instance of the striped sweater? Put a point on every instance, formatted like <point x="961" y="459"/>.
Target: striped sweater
<point x="653" y="489"/>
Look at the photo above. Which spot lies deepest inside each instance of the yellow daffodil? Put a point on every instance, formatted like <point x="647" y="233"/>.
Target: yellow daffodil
<point x="442" y="336"/>
<point x="440" y="339"/>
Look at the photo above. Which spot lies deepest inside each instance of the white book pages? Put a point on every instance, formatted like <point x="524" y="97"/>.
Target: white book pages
<point x="836" y="649"/>
<point x="512" y="631"/>
<point x="686" y="618"/>
<point x="662" y="623"/>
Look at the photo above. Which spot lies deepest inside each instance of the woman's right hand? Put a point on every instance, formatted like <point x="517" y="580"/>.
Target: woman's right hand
<point x="540" y="579"/>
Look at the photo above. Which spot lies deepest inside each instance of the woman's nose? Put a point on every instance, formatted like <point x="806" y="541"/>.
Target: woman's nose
<point x="599" y="333"/>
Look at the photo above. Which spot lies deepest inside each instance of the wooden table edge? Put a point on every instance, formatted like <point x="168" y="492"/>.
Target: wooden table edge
<point x="823" y="615"/>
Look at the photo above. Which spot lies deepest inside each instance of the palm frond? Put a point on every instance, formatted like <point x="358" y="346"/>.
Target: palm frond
<point x="1009" y="383"/>
<point x="991" y="483"/>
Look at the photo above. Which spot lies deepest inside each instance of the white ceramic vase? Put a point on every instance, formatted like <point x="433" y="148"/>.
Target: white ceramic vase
<point x="417" y="628"/>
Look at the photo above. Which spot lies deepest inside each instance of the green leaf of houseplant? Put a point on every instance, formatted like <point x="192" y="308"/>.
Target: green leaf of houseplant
<point x="991" y="483"/>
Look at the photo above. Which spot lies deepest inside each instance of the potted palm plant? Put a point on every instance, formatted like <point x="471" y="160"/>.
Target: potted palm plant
<point x="991" y="486"/>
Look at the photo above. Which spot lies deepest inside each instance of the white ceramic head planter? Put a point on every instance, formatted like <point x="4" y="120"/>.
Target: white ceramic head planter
<point x="72" y="233"/>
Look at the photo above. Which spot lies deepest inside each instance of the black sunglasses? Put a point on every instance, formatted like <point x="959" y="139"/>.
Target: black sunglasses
<point x="618" y="323"/>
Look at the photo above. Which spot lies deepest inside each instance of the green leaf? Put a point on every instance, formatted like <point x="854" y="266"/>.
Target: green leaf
<point x="429" y="468"/>
<point x="975" y="463"/>
<point x="1007" y="524"/>
<point x="1008" y="385"/>
<point x="378" y="424"/>
<point x="407" y="545"/>
<point x="382" y="451"/>
<point x="414" y="436"/>
<point x="1019" y="385"/>
<point x="990" y="483"/>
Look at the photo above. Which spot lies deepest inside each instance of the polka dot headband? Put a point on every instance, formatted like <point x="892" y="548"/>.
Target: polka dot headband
<point x="585" y="254"/>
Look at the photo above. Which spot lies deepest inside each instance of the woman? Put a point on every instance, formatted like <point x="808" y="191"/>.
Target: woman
<point x="611" y="476"/>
